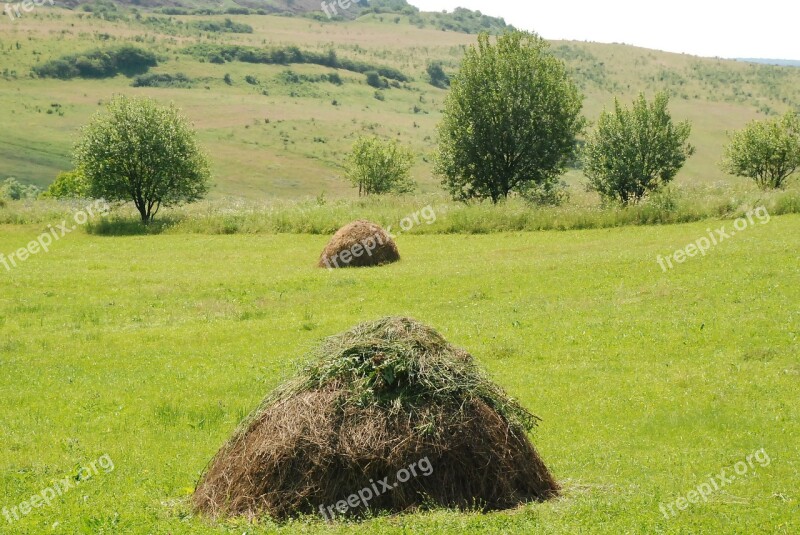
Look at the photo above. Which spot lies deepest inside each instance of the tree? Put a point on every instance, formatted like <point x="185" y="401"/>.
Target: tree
<point x="633" y="152"/>
<point x="377" y="166"/>
<point x="510" y="119"/>
<point x="766" y="151"/>
<point x="68" y="185"/>
<point x="142" y="152"/>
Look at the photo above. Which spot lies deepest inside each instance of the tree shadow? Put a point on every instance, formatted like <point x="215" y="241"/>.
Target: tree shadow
<point x="129" y="227"/>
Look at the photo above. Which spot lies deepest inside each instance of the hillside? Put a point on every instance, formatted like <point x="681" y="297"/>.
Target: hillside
<point x="459" y="20"/>
<point x="767" y="61"/>
<point x="281" y="129"/>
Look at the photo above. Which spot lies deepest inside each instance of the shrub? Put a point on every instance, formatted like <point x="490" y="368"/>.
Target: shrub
<point x="228" y="26"/>
<point x="635" y="152"/>
<point x="766" y="151"/>
<point x="374" y="79"/>
<point x="437" y="76"/>
<point x="12" y="189"/>
<point x="162" y="80"/>
<point x="68" y="185"/>
<point x="285" y="56"/>
<point x="377" y="166"/>
<point x="100" y="63"/>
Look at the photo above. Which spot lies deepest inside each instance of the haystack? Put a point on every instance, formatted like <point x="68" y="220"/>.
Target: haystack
<point x="371" y="403"/>
<point x="359" y="244"/>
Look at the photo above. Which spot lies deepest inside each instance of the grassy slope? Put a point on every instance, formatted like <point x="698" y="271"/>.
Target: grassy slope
<point x="647" y="382"/>
<point x="298" y="152"/>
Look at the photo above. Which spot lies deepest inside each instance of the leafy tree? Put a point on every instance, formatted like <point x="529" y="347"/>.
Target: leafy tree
<point x="142" y="152"/>
<point x="68" y="185"/>
<point x="633" y="152"/>
<point x="510" y="119"/>
<point x="377" y="166"/>
<point x="766" y="151"/>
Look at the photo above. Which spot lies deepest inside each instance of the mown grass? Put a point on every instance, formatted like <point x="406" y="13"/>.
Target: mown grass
<point x="151" y="349"/>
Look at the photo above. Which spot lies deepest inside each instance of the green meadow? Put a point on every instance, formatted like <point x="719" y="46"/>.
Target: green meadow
<point x="150" y="349"/>
<point x="129" y="354"/>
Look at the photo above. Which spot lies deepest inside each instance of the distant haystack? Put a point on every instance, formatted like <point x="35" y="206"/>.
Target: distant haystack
<point x="359" y="244"/>
<point x="386" y="417"/>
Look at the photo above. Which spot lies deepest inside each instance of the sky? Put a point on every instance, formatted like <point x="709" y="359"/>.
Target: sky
<point x="733" y="29"/>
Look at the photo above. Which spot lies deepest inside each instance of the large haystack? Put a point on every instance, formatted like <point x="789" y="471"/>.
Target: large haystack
<point x="373" y="403"/>
<point x="359" y="244"/>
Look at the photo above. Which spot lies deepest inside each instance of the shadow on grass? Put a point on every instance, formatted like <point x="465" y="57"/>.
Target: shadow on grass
<point x="119" y="226"/>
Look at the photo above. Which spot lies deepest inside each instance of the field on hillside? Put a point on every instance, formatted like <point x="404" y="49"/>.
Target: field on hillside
<point x="274" y="134"/>
<point x="141" y="355"/>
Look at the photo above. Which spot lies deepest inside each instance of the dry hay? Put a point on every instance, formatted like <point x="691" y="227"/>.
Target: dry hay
<point x="371" y="401"/>
<point x="359" y="244"/>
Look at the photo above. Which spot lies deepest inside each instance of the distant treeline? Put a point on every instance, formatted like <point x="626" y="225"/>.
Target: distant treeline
<point x="459" y="20"/>
<point x="286" y="56"/>
<point x="99" y="63"/>
<point x="205" y="11"/>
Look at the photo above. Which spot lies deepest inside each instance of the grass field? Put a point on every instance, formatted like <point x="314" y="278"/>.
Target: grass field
<point x="150" y="350"/>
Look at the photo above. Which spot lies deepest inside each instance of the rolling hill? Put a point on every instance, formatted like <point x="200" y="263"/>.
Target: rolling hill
<point x="280" y="129"/>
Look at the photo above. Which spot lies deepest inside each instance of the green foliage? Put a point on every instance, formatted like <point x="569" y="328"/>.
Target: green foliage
<point x="227" y="26"/>
<point x="68" y="185"/>
<point x="141" y="152"/>
<point x="291" y="77"/>
<point x="437" y="76"/>
<point x="377" y="167"/>
<point x="100" y="63"/>
<point x="374" y="79"/>
<point x="510" y="119"/>
<point x="766" y="151"/>
<point x="286" y="56"/>
<point x="14" y="190"/>
<point x="459" y="20"/>
<point x="162" y="80"/>
<point x="550" y="193"/>
<point x="633" y="152"/>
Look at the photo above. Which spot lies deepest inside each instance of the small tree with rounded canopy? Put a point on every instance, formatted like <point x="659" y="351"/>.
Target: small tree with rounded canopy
<point x="145" y="153"/>
<point x="510" y="119"/>
<point x="633" y="152"/>
<point x="766" y="151"/>
<point x="376" y="166"/>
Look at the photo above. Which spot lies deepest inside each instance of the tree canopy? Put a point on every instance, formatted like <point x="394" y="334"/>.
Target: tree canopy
<point x="141" y="152"/>
<point x="633" y="152"/>
<point x="510" y="119"/>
